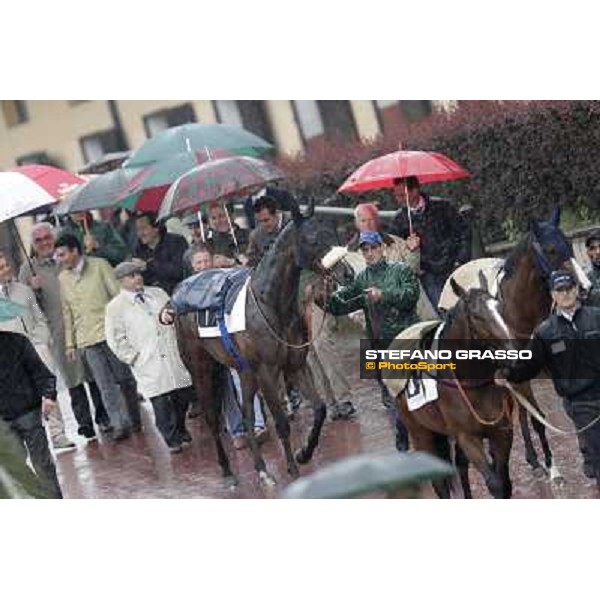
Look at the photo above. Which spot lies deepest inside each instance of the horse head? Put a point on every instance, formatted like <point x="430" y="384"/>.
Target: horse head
<point x="315" y="238"/>
<point x="482" y="316"/>
<point x="553" y="251"/>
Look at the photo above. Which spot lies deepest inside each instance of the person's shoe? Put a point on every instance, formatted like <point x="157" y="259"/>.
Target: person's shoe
<point x="120" y="434"/>
<point x="261" y="435"/>
<point x="240" y="442"/>
<point x="194" y="410"/>
<point x="588" y="470"/>
<point x="342" y="410"/>
<point x="63" y="443"/>
<point x="88" y="433"/>
<point x="177" y="449"/>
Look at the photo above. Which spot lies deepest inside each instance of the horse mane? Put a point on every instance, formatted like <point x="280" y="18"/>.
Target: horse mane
<point x="510" y="264"/>
<point x="270" y="285"/>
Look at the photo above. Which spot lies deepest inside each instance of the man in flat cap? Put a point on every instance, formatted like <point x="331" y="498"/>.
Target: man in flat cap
<point x="568" y="344"/>
<point x="136" y="336"/>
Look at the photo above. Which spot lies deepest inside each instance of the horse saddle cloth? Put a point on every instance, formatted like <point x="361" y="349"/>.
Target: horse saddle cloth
<point x="209" y="292"/>
<point x="420" y="391"/>
<point x="467" y="276"/>
<point x="417" y="336"/>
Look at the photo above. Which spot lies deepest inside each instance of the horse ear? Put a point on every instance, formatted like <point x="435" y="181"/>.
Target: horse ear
<point x="555" y="218"/>
<point x="483" y="282"/>
<point x="457" y="289"/>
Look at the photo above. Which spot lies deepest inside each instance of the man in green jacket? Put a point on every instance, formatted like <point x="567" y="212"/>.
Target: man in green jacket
<point x="388" y="294"/>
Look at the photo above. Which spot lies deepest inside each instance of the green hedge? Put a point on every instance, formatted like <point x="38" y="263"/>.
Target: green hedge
<point x="525" y="158"/>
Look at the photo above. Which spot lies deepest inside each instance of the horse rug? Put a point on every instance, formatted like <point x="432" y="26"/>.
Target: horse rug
<point x="467" y="276"/>
<point x="211" y="292"/>
<point x="410" y="339"/>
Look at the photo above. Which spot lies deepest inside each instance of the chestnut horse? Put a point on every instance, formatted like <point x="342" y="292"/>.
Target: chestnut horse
<point x="470" y="407"/>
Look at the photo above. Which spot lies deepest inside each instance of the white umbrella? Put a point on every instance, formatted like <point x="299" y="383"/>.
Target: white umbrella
<point x="19" y="195"/>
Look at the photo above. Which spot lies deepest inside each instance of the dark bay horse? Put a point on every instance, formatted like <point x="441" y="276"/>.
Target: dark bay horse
<point x="525" y="302"/>
<point x="274" y="344"/>
<point x="470" y="408"/>
<point x="525" y="299"/>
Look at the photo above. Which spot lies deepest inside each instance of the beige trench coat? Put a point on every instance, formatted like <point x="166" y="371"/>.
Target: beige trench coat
<point x="135" y="335"/>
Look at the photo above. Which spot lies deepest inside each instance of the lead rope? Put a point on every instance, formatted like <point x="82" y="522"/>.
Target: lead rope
<point x="471" y="408"/>
<point x="537" y="415"/>
<point x="276" y="335"/>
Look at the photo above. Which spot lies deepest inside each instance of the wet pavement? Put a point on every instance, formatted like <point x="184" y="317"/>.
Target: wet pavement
<point x="142" y="467"/>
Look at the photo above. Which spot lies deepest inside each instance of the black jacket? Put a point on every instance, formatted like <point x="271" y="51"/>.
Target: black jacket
<point x="444" y="235"/>
<point x="164" y="263"/>
<point x="24" y="378"/>
<point x="571" y="351"/>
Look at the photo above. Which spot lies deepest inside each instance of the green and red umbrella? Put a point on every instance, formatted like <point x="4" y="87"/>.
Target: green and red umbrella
<point x="218" y="180"/>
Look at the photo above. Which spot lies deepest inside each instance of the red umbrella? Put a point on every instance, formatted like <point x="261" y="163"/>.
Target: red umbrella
<point x="51" y="179"/>
<point x="380" y="172"/>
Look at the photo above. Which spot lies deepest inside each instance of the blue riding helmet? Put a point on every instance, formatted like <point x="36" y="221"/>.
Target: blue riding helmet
<point x="370" y="238"/>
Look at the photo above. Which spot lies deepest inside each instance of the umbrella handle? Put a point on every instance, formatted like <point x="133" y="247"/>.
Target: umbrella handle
<point x="410" y="225"/>
<point x="201" y="223"/>
<point x="237" y="248"/>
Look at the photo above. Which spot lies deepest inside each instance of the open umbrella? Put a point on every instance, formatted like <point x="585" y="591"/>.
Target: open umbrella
<point x="366" y="473"/>
<point x="49" y="178"/>
<point x="220" y="179"/>
<point x="100" y="192"/>
<point x="380" y="173"/>
<point x="198" y="136"/>
<point x="107" y="162"/>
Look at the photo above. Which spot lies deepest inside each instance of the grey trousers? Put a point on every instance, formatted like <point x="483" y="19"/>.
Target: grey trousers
<point x="109" y="372"/>
<point x="30" y="431"/>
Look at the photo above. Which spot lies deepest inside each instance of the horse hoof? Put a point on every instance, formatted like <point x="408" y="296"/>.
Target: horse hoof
<point x="230" y="482"/>
<point x="302" y="457"/>
<point x="539" y="472"/>
<point x="266" y="479"/>
<point x="556" y="476"/>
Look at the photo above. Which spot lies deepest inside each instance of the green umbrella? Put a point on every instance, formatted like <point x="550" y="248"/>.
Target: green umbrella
<point x="104" y="191"/>
<point x="366" y="473"/>
<point x="10" y="310"/>
<point x="198" y="136"/>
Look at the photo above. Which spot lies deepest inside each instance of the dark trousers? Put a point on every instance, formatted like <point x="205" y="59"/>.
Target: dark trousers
<point x="81" y="407"/>
<point x="433" y="284"/>
<point x="582" y="410"/>
<point x="169" y="415"/>
<point x="30" y="431"/>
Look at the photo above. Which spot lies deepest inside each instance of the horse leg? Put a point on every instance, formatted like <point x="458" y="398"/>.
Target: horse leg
<point x="305" y="382"/>
<point x="540" y="429"/>
<point x="442" y="446"/>
<point x="475" y="452"/>
<point x="500" y="447"/>
<point x="249" y="387"/>
<point x="462" y="465"/>
<point x="269" y="386"/>
<point x="530" y="453"/>
<point x="425" y="440"/>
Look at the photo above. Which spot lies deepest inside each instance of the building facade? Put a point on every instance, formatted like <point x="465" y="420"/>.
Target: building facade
<point x="72" y="133"/>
